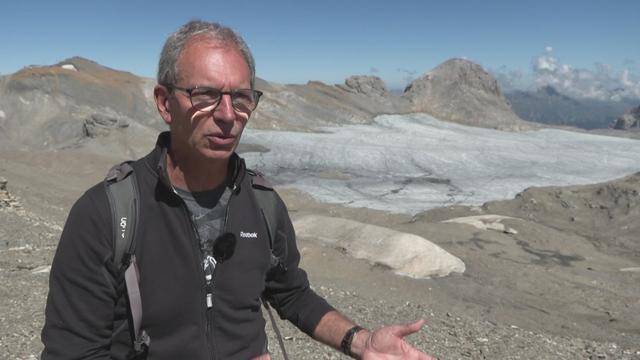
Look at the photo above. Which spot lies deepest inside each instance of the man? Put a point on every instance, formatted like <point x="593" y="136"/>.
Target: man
<point x="193" y="188"/>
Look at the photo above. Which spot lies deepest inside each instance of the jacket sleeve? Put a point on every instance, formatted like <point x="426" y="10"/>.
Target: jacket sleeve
<point x="80" y="308"/>
<point x="289" y="292"/>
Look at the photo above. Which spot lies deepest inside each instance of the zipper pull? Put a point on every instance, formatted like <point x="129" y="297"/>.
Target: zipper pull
<point x="209" y="300"/>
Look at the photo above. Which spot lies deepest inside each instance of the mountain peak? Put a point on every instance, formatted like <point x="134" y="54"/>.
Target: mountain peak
<point x="462" y="91"/>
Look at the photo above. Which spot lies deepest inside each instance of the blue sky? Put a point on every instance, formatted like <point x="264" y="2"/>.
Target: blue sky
<point x="297" y="41"/>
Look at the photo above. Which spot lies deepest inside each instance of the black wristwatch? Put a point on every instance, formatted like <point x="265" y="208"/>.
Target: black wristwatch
<point x="348" y="338"/>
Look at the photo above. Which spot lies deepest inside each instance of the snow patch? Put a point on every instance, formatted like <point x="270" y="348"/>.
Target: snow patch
<point x="2" y="115"/>
<point x="45" y="269"/>
<point x="485" y="222"/>
<point x="69" y="67"/>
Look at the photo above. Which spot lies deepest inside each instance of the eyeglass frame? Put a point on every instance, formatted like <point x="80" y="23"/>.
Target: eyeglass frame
<point x="189" y="91"/>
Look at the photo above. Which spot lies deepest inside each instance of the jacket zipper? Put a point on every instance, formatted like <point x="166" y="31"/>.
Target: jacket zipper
<point x="204" y="286"/>
<point x="207" y="285"/>
<point x="210" y="286"/>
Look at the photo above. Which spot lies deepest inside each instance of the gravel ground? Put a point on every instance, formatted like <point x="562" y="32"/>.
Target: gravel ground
<point x="30" y="223"/>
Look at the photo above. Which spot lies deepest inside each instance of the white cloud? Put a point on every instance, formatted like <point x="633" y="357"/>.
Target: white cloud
<point x="409" y="75"/>
<point x="509" y="79"/>
<point x="602" y="83"/>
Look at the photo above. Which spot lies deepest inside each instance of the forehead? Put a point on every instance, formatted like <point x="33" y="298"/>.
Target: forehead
<point x="210" y="62"/>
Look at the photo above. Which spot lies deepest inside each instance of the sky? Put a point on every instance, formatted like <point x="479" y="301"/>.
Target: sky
<point x="580" y="46"/>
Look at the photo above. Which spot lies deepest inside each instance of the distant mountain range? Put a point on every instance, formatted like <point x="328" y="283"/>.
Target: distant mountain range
<point x="78" y="101"/>
<point x="548" y="106"/>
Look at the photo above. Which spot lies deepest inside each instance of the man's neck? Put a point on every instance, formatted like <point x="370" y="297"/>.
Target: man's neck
<point x="196" y="175"/>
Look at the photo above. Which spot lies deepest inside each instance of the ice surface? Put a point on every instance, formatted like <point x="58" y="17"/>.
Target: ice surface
<point x="411" y="163"/>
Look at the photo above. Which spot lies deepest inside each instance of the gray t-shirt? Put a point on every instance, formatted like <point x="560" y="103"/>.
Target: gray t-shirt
<point x="207" y="212"/>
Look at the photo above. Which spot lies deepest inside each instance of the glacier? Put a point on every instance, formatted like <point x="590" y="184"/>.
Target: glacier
<point x="411" y="163"/>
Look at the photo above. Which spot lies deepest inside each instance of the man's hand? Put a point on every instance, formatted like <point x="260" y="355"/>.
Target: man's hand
<point x="387" y="343"/>
<point x="262" y="357"/>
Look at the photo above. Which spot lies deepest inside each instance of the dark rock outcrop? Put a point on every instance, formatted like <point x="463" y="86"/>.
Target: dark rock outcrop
<point x="7" y="201"/>
<point x="461" y="91"/>
<point x="101" y="124"/>
<point x="366" y="85"/>
<point x="630" y="120"/>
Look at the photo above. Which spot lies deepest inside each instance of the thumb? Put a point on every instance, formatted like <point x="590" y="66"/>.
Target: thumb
<point x="407" y="329"/>
<point x="262" y="357"/>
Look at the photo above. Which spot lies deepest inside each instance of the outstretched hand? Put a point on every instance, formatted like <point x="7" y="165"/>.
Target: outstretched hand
<point x="387" y="343"/>
<point x="262" y="357"/>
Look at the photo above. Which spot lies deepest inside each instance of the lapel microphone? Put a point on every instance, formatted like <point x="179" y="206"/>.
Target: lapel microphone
<point x="223" y="247"/>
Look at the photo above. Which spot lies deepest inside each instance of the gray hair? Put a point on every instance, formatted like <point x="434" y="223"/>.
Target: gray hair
<point x="168" y="72"/>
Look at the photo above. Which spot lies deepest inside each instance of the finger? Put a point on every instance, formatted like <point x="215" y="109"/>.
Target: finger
<point x="427" y="357"/>
<point x="262" y="357"/>
<point x="407" y="329"/>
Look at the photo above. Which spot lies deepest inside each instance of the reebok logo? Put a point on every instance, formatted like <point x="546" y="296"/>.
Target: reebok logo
<point x="251" y="235"/>
<point x="123" y="226"/>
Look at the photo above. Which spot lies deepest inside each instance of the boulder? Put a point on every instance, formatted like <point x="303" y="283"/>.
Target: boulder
<point x="366" y="85"/>
<point x="100" y="124"/>
<point x="405" y="254"/>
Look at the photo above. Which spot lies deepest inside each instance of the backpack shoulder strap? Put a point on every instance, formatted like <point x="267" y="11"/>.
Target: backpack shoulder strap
<point x="268" y="202"/>
<point x="122" y="191"/>
<point x="266" y="197"/>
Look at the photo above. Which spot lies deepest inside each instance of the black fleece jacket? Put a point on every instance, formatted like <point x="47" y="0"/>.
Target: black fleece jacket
<point x="85" y="316"/>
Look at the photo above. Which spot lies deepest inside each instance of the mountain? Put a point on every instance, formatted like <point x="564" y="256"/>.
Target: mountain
<point x="461" y="91"/>
<point x="548" y="106"/>
<point x="66" y="103"/>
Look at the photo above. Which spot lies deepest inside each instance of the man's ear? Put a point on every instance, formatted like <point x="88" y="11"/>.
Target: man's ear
<point x="161" y="96"/>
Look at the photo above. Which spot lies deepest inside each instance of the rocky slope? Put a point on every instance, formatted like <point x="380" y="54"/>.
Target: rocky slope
<point x="311" y="106"/>
<point x="560" y="284"/>
<point x="77" y="99"/>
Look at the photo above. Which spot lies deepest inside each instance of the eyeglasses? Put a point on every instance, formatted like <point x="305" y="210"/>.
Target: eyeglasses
<point x="202" y="98"/>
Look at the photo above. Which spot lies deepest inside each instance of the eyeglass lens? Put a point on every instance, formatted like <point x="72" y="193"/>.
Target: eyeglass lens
<point x="244" y="100"/>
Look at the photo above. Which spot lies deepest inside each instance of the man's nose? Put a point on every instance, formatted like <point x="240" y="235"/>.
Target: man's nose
<point x="224" y="111"/>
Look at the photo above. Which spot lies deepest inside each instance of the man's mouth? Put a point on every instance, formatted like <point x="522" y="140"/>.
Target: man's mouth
<point x="221" y="139"/>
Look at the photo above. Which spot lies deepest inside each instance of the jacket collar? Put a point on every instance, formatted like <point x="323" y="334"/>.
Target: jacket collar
<point x="157" y="159"/>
